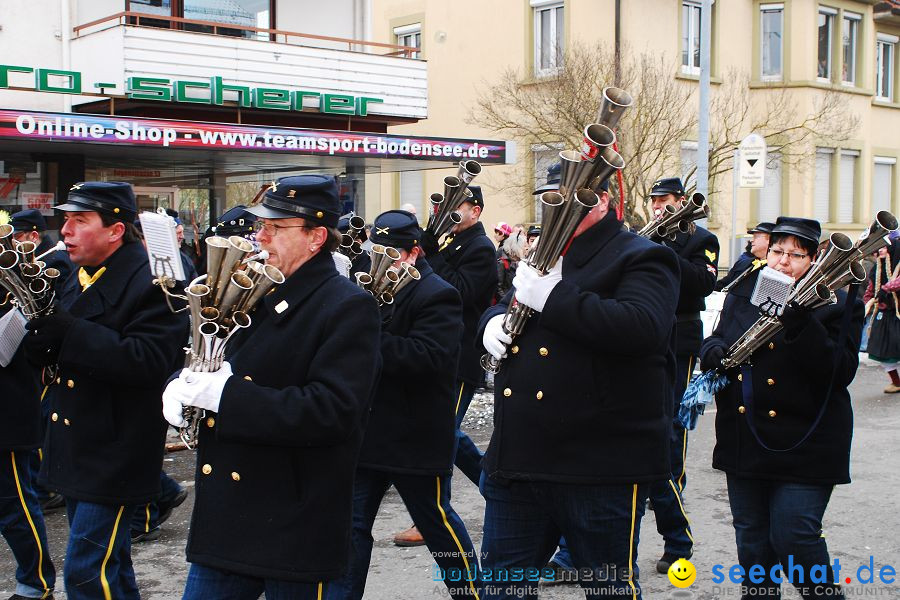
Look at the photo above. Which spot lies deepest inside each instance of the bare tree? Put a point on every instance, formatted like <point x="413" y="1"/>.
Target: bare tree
<point x="551" y="113"/>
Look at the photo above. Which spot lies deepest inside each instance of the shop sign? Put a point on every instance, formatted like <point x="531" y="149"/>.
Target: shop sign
<point x="43" y="201"/>
<point x="165" y="133"/>
<point x="207" y="91"/>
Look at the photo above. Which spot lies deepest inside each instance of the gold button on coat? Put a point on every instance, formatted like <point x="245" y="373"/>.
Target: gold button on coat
<point x="771" y="345"/>
<point x="771" y="413"/>
<point x="741" y="409"/>
<point x="54" y="417"/>
<point x="770" y="381"/>
<point x="740" y="376"/>
<point x="235" y="475"/>
<point x="66" y="421"/>
<point x="514" y="349"/>
<point x="507" y="392"/>
<point x="210" y="422"/>
<point x="540" y="395"/>
<point x="207" y="469"/>
<point x="58" y="379"/>
<point x="543" y="352"/>
<point x="248" y="378"/>
<point x="70" y="384"/>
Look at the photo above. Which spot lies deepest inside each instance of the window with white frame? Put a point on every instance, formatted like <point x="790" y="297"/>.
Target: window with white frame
<point x="846" y="202"/>
<point x="826" y="35"/>
<point x="544" y="158"/>
<point x="771" y="28"/>
<point x="548" y="36"/>
<point x="689" y="164"/>
<point x="769" y="207"/>
<point x="410" y="36"/>
<point x="849" y="41"/>
<point x="690" y="37"/>
<point x="885" y="49"/>
<point x="883" y="183"/>
<point x="412" y="191"/>
<point x="822" y="185"/>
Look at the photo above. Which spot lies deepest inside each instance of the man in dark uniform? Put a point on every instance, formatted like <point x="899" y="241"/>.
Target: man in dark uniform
<point x="582" y="409"/>
<point x="698" y="254"/>
<point x="411" y="432"/>
<point x="752" y="258"/>
<point x="31" y="226"/>
<point x="115" y="342"/>
<point x="21" y="433"/>
<point x="285" y="415"/>
<point x="466" y="260"/>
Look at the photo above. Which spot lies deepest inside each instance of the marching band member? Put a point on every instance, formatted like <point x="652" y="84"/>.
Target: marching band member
<point x="783" y="427"/>
<point x="698" y="254"/>
<point x="284" y="416"/>
<point x="115" y="341"/>
<point x="21" y="432"/>
<point x="411" y="433"/>
<point x="754" y="257"/>
<point x="466" y="260"/>
<point x="581" y="410"/>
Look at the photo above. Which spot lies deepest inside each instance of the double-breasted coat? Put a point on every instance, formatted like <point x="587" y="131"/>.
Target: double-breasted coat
<point x="584" y="394"/>
<point x="275" y="465"/>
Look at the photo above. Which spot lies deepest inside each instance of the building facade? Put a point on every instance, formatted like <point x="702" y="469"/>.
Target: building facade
<point x="805" y="49"/>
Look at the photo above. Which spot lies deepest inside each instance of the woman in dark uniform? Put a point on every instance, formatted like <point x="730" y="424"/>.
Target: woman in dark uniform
<point x="784" y="425"/>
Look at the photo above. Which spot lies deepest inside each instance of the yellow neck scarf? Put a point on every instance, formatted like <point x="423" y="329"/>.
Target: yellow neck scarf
<point x="86" y="280"/>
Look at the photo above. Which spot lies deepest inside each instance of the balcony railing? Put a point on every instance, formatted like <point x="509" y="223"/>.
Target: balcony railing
<point x="280" y="36"/>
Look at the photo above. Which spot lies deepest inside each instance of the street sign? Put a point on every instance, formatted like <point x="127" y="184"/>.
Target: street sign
<point x="752" y="161"/>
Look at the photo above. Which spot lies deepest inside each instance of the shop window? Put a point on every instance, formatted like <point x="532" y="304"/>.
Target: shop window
<point x="822" y="186"/>
<point x="771" y="41"/>
<point x="770" y="206"/>
<point x="883" y="183"/>
<point x="885" y="51"/>
<point x="410" y="36"/>
<point x="849" y="41"/>
<point x="548" y="36"/>
<point x="826" y="34"/>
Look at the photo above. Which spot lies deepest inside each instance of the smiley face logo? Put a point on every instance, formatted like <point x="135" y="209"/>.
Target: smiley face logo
<point x="682" y="573"/>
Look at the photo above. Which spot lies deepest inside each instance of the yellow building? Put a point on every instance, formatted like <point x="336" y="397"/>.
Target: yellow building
<point x="803" y="48"/>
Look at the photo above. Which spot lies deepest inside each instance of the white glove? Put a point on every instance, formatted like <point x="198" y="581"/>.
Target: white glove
<point x="496" y="340"/>
<point x="532" y="288"/>
<point x="172" y="406"/>
<point x="342" y="264"/>
<point x="203" y="390"/>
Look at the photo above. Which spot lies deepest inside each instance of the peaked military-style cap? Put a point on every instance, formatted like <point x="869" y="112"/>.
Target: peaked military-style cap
<point x="235" y="221"/>
<point x="396" y="228"/>
<point x="311" y="197"/>
<point x="28" y="220"/>
<point x="552" y="179"/>
<point x="113" y="198"/>
<point x="667" y="185"/>
<point x="808" y="229"/>
<point x="762" y="227"/>
<point x="477" y="198"/>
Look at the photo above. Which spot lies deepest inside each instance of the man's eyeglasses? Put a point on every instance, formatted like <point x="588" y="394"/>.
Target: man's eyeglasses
<point x="271" y="229"/>
<point x="795" y="256"/>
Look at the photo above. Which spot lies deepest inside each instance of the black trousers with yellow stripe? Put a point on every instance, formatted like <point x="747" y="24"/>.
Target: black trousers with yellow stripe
<point x="22" y="525"/>
<point x="667" y="496"/>
<point x="427" y="498"/>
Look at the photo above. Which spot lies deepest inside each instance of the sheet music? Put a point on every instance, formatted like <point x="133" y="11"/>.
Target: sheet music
<point x="12" y="331"/>
<point x="162" y="245"/>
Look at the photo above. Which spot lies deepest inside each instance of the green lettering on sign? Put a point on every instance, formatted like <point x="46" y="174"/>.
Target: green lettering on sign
<point x="181" y="87"/>
<point x="337" y="104"/>
<point x="42" y="81"/>
<point x="297" y="99"/>
<point x="5" y="70"/>
<point x="271" y="98"/>
<point x="219" y="88"/>
<point x="149" y="88"/>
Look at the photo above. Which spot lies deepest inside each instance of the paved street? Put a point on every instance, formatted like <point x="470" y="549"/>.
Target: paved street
<point x="863" y="519"/>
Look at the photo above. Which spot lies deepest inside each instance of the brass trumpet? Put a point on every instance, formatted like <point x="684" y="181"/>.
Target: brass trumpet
<point x="350" y="246"/>
<point x="384" y="280"/>
<point x="444" y="206"/>
<point x="26" y="278"/>
<point x="673" y="220"/>
<point x="220" y="303"/>
<point x="834" y="268"/>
